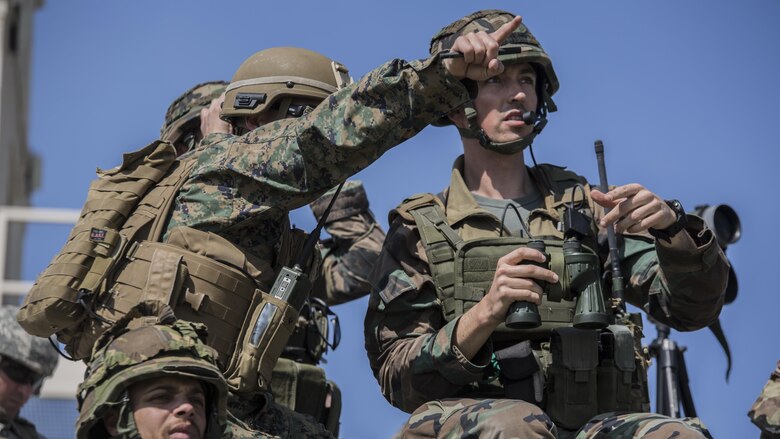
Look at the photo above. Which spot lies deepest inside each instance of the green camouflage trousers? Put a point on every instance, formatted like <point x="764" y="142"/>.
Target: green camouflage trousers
<point x="507" y="418"/>
<point x="478" y="418"/>
<point x="642" y="425"/>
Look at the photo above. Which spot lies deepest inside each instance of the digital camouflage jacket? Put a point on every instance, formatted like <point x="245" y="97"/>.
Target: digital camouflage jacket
<point x="410" y="343"/>
<point x="242" y="187"/>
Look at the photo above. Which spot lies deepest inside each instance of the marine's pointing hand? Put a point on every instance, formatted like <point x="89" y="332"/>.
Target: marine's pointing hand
<point x="480" y="53"/>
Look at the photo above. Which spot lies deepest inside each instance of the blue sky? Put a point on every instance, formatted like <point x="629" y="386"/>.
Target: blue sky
<point x="682" y="93"/>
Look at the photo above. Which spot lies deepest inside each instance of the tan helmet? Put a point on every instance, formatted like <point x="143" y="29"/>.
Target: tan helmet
<point x="519" y="47"/>
<point x="269" y="81"/>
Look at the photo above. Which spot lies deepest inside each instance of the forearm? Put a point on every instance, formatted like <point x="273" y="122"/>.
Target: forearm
<point x="473" y="331"/>
<point x="348" y="261"/>
<point x="682" y="283"/>
<point x="416" y="367"/>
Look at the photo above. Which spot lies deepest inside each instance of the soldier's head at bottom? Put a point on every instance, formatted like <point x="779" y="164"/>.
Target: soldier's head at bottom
<point x="152" y="378"/>
<point x="25" y="361"/>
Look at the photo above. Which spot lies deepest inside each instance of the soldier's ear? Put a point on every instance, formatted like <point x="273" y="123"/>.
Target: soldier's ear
<point x="109" y="422"/>
<point x="458" y="118"/>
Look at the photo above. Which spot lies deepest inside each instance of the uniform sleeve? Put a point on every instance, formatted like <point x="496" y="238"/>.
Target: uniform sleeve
<point x="286" y="164"/>
<point x="348" y="257"/>
<point x="410" y="346"/>
<point x="681" y="286"/>
<point x="352" y="250"/>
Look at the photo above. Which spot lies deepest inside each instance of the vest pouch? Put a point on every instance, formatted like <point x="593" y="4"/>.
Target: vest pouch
<point x="300" y="387"/>
<point x="153" y="274"/>
<point x="520" y="373"/>
<point x="571" y="377"/>
<point x="263" y="335"/>
<point x="94" y="244"/>
<point x="616" y="369"/>
<point x="198" y="288"/>
<point x="77" y="273"/>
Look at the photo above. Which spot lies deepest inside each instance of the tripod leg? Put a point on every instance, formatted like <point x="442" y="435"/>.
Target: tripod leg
<point x="685" y="390"/>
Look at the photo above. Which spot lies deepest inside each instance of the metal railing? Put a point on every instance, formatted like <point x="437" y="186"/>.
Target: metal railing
<point x="68" y="374"/>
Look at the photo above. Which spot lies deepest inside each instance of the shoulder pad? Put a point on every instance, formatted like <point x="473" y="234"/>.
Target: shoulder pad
<point x="415" y="201"/>
<point x="155" y="151"/>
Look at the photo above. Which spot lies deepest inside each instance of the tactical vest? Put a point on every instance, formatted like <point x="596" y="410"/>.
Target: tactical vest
<point x="587" y="372"/>
<point x="114" y="259"/>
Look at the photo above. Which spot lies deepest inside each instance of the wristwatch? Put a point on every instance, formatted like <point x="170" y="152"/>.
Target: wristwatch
<point x="679" y="222"/>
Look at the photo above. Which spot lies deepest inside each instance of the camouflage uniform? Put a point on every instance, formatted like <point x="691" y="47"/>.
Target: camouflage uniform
<point x="765" y="412"/>
<point x="33" y="353"/>
<point x="439" y="260"/>
<point x="409" y="342"/>
<point x="241" y="188"/>
<point x="353" y="247"/>
<point x="140" y="348"/>
<point x="347" y="256"/>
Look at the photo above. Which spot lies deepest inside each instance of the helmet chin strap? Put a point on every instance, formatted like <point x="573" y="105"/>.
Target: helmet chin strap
<point x="539" y="120"/>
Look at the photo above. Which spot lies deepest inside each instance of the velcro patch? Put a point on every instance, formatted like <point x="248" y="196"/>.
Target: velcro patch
<point x="97" y="235"/>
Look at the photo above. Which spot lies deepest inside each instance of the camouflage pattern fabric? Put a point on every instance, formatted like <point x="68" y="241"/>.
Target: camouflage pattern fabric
<point x="263" y="414"/>
<point x="477" y="418"/>
<point x="187" y="107"/>
<point x="242" y="187"/>
<point x="350" y="253"/>
<point x="35" y="353"/>
<point x="139" y="348"/>
<point x="410" y="344"/>
<point x="641" y="425"/>
<point x="765" y="412"/>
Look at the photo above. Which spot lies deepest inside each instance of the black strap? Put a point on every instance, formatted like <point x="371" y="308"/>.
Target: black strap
<point x="314" y="236"/>
<point x="718" y="332"/>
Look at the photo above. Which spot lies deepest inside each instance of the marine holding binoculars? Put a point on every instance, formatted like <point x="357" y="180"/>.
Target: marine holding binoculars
<point x="491" y="312"/>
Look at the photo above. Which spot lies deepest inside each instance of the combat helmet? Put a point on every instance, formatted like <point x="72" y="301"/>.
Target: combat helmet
<point x="34" y="353"/>
<point x="139" y="348"/>
<point x="182" y="120"/>
<point x="519" y="47"/>
<point x="269" y="81"/>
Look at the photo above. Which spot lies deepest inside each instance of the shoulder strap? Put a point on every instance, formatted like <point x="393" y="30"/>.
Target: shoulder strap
<point x="441" y="243"/>
<point x="148" y="220"/>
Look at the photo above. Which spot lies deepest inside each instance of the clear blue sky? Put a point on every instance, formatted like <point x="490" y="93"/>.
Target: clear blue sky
<point x="683" y="94"/>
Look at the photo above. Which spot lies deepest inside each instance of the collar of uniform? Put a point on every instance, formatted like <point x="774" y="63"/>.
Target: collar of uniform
<point x="460" y="204"/>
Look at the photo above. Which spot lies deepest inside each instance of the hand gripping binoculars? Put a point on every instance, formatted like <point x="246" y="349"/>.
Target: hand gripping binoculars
<point x="581" y="279"/>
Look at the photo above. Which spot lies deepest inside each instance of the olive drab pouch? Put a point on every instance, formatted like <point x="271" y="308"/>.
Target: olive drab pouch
<point x="61" y="297"/>
<point x="301" y="387"/>
<point x="305" y="389"/>
<point x="571" y="376"/>
<point x="616" y="369"/>
<point x="463" y="271"/>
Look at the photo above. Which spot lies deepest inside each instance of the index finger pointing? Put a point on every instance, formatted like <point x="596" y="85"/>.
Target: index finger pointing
<point x="506" y="29"/>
